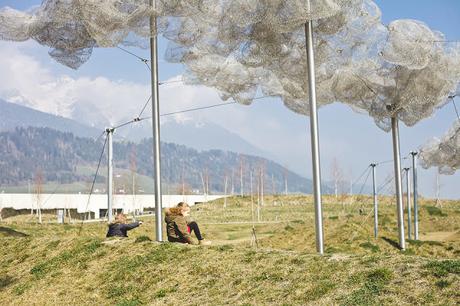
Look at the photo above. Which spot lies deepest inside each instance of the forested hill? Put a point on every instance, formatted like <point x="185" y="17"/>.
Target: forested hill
<point x="57" y="157"/>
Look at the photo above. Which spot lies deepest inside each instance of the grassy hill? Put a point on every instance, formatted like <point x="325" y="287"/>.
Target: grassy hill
<point x="53" y="264"/>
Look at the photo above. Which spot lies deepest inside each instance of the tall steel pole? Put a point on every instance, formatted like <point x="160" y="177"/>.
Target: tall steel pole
<point x="376" y="207"/>
<point x="109" y="132"/>
<point x="414" y="180"/>
<point x="156" y="124"/>
<point x="314" y="138"/>
<point x="409" y="217"/>
<point x="397" y="169"/>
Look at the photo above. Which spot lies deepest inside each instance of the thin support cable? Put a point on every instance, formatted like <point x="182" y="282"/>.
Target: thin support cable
<point x="51" y="195"/>
<point x="170" y="82"/>
<point x="455" y="107"/>
<point x="365" y="181"/>
<point x="385" y="184"/>
<point x="139" y="118"/>
<point x="145" y="106"/>
<point x="148" y="66"/>
<point x="362" y="174"/>
<point x="391" y="160"/>
<point x="94" y="182"/>
<point x="99" y="137"/>
<point x="198" y="108"/>
<point x="133" y="54"/>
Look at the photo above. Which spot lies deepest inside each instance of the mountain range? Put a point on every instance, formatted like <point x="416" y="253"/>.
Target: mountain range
<point x="45" y="155"/>
<point x="196" y="135"/>
<point x="198" y="146"/>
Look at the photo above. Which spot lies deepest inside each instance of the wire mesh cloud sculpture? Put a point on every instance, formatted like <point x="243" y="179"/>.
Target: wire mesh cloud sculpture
<point x="413" y="76"/>
<point x="243" y="47"/>
<point x="443" y="153"/>
<point x="400" y="70"/>
<point x="72" y="28"/>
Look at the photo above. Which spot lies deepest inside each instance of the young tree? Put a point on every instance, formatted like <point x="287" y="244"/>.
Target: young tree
<point x="38" y="192"/>
<point x="241" y="175"/>
<point x="225" y="189"/>
<point x="285" y="171"/>
<point x="336" y="175"/>
<point x="133" y="168"/>
<point x="437" y="189"/>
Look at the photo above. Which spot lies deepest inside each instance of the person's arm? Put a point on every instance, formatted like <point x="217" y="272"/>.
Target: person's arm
<point x="181" y="224"/>
<point x="130" y="226"/>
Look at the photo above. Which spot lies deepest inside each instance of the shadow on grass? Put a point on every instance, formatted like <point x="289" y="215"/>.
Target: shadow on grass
<point x="391" y="242"/>
<point x="5" y="231"/>
<point x="5" y="281"/>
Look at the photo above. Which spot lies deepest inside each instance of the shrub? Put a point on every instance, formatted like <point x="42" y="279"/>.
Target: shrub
<point x="5" y="281"/>
<point x="20" y="289"/>
<point x="434" y="211"/>
<point x="443" y="268"/>
<point x="374" y="283"/>
<point x="142" y="239"/>
<point x="367" y="245"/>
<point x="441" y="284"/>
<point x="132" y="302"/>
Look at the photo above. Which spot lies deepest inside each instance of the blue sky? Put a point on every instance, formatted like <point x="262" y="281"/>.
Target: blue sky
<point x="353" y="139"/>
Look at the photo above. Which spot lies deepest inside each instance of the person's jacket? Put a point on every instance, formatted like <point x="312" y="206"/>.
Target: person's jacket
<point x="120" y="229"/>
<point x="176" y="227"/>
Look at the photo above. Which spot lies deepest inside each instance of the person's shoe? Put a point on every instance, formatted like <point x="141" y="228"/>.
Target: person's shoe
<point x="204" y="242"/>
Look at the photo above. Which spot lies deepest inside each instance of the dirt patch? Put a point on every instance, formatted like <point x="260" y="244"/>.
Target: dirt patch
<point x="440" y="236"/>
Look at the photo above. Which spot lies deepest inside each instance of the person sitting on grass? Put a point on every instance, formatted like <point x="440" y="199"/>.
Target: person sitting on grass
<point x="120" y="228"/>
<point x="179" y="229"/>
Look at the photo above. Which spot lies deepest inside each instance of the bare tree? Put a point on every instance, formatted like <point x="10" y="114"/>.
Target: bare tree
<point x="262" y="187"/>
<point x="336" y="175"/>
<point x="251" y="187"/>
<point x="437" y="188"/>
<point x="182" y="176"/>
<point x="259" y="193"/>
<point x="225" y="189"/>
<point x="285" y="181"/>
<point x="133" y="168"/>
<point x="205" y="181"/>
<point x="38" y="192"/>
<point x="241" y="175"/>
<point x="233" y="181"/>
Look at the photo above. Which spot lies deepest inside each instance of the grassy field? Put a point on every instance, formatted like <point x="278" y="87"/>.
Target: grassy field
<point x="53" y="264"/>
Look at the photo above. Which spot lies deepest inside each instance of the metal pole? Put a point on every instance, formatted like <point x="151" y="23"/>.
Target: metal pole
<point x="156" y="125"/>
<point x="314" y="138"/>
<point x="397" y="169"/>
<point x="376" y="207"/>
<point x="414" y="180"/>
<point x="109" y="132"/>
<point x="409" y="217"/>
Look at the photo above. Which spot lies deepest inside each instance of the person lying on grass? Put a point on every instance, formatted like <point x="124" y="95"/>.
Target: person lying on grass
<point x="179" y="229"/>
<point x="120" y="228"/>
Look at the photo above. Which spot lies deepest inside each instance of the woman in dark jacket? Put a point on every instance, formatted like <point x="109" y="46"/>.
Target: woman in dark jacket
<point x="120" y="228"/>
<point x="179" y="228"/>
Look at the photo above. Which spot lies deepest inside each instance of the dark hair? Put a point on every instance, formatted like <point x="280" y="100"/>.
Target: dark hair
<point x="182" y="204"/>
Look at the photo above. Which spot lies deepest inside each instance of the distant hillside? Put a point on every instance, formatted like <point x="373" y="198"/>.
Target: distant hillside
<point x="13" y="116"/>
<point x="59" y="156"/>
<point x="199" y="136"/>
<point x="195" y="135"/>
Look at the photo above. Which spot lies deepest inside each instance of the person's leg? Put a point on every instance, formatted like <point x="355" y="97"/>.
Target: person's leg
<point x="194" y="228"/>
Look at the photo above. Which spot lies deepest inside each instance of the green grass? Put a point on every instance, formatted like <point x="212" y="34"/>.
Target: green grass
<point x="444" y="268"/>
<point x="435" y="211"/>
<point x="74" y="264"/>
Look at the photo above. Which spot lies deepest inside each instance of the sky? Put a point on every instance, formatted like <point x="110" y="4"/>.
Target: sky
<point x="118" y="84"/>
